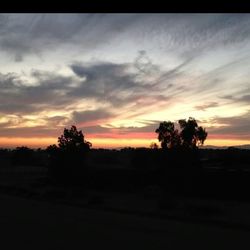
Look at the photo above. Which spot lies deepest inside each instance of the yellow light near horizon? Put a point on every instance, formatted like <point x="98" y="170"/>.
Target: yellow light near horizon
<point x="6" y="142"/>
<point x="115" y="143"/>
<point x="96" y="142"/>
<point x="226" y="142"/>
<point x="28" y="142"/>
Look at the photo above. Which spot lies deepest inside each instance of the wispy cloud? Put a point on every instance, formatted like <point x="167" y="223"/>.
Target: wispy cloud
<point x="232" y="127"/>
<point x="206" y="106"/>
<point x="108" y="72"/>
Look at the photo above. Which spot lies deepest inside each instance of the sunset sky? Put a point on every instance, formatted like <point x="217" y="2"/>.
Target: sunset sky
<point x="117" y="76"/>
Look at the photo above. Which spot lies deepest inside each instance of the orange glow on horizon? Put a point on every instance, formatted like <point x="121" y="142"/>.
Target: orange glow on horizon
<point x="226" y="142"/>
<point x="116" y="142"/>
<point x="32" y="142"/>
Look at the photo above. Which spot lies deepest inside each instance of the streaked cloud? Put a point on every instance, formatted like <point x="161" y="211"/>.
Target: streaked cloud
<point x="119" y="75"/>
<point x="206" y="106"/>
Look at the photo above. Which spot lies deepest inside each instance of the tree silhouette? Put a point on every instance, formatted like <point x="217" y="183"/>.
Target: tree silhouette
<point x="68" y="158"/>
<point x="168" y="135"/>
<point x="189" y="136"/>
<point x="72" y="139"/>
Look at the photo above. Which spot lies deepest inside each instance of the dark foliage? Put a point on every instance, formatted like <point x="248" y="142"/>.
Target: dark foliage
<point x="189" y="136"/>
<point x="67" y="160"/>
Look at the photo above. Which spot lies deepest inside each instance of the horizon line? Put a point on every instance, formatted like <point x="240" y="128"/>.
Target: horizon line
<point x="119" y="148"/>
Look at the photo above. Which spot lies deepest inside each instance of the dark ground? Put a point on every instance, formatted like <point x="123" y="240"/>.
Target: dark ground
<point x="29" y="224"/>
<point x="124" y="206"/>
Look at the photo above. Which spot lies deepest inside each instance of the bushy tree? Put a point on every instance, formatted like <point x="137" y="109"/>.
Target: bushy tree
<point x="67" y="160"/>
<point x="72" y="139"/>
<point x="168" y="135"/>
<point x="189" y="136"/>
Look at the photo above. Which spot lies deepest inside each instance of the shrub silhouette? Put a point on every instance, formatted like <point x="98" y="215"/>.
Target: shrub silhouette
<point x="153" y="145"/>
<point x="67" y="160"/>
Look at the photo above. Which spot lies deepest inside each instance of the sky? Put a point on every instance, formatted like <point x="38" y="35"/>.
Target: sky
<point x="117" y="76"/>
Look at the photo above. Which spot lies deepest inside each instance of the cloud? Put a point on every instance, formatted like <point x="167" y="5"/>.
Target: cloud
<point x="191" y="34"/>
<point x="181" y="58"/>
<point x="29" y="132"/>
<point x="57" y="121"/>
<point x="49" y="92"/>
<point x="197" y="32"/>
<point x="206" y="106"/>
<point x="23" y="34"/>
<point x="121" y="84"/>
<point x="91" y="116"/>
<point x="237" y="126"/>
<point x="105" y="81"/>
<point x="239" y="98"/>
<point x="244" y="98"/>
